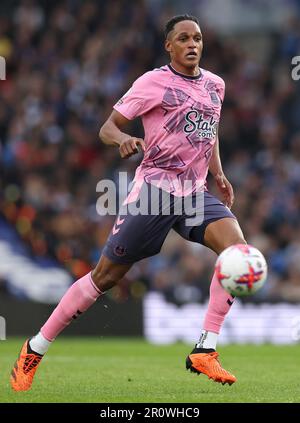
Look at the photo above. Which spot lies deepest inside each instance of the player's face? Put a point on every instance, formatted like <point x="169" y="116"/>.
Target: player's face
<point x="185" y="44"/>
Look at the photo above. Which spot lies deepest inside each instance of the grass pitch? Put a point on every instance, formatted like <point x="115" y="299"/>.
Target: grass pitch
<point x="125" y="370"/>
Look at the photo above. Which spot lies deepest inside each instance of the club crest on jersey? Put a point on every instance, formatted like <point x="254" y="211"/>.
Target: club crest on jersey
<point x="214" y="98"/>
<point x="205" y="127"/>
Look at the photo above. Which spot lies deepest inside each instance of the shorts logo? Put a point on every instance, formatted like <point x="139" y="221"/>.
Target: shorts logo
<point x="119" y="251"/>
<point x="116" y="229"/>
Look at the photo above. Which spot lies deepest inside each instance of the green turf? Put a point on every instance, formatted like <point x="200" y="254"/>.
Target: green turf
<point x="123" y="370"/>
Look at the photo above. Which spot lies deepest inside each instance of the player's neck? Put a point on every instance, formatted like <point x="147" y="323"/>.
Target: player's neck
<point x="195" y="71"/>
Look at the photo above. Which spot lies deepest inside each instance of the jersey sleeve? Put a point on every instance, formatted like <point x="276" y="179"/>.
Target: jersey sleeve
<point x="140" y="98"/>
<point x="221" y="90"/>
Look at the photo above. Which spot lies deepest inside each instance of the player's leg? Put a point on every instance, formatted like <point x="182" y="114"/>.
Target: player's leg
<point x="78" y="298"/>
<point x="132" y="238"/>
<point x="218" y="236"/>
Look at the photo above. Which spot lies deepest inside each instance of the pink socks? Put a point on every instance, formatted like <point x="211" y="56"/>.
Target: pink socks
<point x="78" y="298"/>
<point x="83" y="293"/>
<point x="219" y="305"/>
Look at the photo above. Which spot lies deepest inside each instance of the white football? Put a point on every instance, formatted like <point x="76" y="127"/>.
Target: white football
<point x="241" y="270"/>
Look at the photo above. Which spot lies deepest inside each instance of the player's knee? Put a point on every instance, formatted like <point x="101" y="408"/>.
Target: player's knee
<point x="232" y="241"/>
<point x="104" y="278"/>
<point x="237" y="240"/>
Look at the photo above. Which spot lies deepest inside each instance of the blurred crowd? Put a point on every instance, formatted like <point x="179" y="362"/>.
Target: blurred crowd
<point x="68" y="62"/>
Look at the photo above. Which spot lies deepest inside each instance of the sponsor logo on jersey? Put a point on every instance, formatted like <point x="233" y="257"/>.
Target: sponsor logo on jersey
<point x="205" y="127"/>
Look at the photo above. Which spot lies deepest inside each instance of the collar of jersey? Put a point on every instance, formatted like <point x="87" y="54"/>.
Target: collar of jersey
<point x="183" y="75"/>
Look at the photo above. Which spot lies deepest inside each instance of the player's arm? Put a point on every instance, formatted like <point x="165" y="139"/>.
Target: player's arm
<point x="111" y="134"/>
<point x="215" y="168"/>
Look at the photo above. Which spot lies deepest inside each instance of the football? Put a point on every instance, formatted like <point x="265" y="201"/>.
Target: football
<point x="241" y="270"/>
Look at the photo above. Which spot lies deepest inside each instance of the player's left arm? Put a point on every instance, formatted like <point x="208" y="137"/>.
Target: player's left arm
<point x="215" y="168"/>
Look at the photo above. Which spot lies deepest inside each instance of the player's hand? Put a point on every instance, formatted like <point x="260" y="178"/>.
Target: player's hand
<point x="225" y="189"/>
<point x="130" y="147"/>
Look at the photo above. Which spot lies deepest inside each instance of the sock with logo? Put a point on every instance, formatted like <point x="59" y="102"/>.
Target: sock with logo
<point x="208" y="340"/>
<point x="78" y="298"/>
<point x="218" y="307"/>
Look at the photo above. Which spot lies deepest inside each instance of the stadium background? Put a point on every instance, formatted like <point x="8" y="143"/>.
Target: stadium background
<point x="67" y="64"/>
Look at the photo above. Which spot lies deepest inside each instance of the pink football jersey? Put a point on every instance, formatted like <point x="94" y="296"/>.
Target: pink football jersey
<point x="180" y="115"/>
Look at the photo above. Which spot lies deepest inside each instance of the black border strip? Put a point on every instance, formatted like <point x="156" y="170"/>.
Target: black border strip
<point x="183" y="75"/>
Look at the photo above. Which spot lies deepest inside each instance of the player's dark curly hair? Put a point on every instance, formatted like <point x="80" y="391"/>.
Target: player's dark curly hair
<point x="173" y="21"/>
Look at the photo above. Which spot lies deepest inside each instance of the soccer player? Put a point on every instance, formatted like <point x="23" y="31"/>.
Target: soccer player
<point x="180" y="106"/>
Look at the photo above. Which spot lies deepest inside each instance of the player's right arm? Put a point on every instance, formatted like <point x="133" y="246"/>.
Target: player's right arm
<point x="137" y="101"/>
<point x="111" y="134"/>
